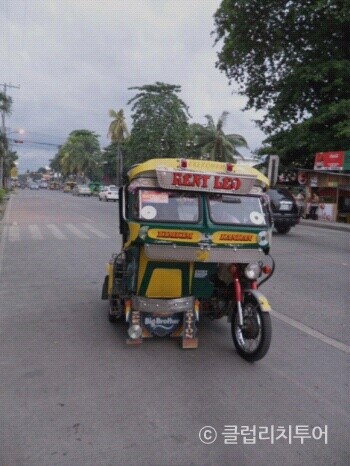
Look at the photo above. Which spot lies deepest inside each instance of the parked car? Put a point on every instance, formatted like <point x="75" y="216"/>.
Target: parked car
<point x="285" y="212"/>
<point x="109" y="193"/>
<point x="43" y="185"/>
<point x="34" y="186"/>
<point x="81" y="190"/>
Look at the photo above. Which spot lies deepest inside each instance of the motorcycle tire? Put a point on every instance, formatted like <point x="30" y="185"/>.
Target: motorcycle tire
<point x="252" y="341"/>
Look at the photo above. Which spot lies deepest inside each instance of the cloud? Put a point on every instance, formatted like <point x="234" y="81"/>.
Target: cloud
<point x="74" y="60"/>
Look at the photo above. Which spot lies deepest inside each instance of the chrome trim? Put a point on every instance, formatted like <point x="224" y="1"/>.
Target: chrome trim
<point x="202" y="254"/>
<point x="162" y="306"/>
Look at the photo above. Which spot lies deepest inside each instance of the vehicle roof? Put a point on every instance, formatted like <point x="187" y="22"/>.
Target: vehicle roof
<point x="208" y="166"/>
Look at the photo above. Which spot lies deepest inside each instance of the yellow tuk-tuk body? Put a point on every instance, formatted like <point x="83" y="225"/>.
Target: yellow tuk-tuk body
<point x="184" y="224"/>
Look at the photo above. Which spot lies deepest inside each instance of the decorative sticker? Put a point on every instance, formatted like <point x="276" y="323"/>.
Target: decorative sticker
<point x="155" y="197"/>
<point x="148" y="212"/>
<point x="256" y="217"/>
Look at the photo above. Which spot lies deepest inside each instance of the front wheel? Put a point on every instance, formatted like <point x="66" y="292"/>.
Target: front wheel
<point x="252" y="341"/>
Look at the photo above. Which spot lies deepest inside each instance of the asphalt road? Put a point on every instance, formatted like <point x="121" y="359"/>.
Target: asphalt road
<point x="73" y="393"/>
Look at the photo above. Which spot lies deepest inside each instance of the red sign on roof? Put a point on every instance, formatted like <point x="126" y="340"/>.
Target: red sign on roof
<point x="329" y="160"/>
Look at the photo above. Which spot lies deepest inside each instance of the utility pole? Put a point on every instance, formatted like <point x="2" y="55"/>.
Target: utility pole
<point x="3" y="131"/>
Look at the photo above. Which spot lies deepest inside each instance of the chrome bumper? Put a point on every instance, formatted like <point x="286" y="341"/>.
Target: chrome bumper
<point x="202" y="253"/>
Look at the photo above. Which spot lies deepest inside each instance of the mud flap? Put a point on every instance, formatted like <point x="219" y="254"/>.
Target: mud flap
<point x="189" y="334"/>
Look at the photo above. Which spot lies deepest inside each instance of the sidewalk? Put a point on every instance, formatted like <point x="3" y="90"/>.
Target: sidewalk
<point x="329" y="225"/>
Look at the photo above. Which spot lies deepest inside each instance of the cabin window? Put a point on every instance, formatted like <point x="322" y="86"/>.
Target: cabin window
<point x="166" y="206"/>
<point x="241" y="210"/>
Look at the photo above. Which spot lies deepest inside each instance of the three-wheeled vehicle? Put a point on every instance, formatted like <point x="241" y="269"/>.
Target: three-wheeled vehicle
<point x="196" y="237"/>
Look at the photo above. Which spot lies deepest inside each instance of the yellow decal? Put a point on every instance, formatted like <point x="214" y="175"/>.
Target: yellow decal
<point x="232" y="237"/>
<point x="186" y="236"/>
<point x="202" y="255"/>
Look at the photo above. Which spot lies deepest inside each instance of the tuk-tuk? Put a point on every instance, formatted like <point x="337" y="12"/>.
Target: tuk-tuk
<point x="95" y="187"/>
<point x="196" y="237"/>
<point x="54" y="185"/>
<point x="69" y="186"/>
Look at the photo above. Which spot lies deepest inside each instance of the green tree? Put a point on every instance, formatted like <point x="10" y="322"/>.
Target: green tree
<point x="81" y="154"/>
<point x="5" y="109"/>
<point x="118" y="133"/>
<point x="291" y="59"/>
<point x="160" y="122"/>
<point x="212" y="141"/>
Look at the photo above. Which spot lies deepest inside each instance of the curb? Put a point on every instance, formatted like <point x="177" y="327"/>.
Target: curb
<point x="327" y="225"/>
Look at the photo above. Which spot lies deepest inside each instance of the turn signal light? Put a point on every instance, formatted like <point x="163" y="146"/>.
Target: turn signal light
<point x="267" y="269"/>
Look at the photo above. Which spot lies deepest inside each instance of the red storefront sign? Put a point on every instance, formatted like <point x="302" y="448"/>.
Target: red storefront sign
<point x="329" y="160"/>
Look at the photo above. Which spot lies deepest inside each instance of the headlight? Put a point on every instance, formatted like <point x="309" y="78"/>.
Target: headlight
<point x="252" y="271"/>
<point x="135" y="331"/>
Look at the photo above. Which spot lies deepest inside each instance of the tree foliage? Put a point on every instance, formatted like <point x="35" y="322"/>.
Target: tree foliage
<point x="291" y="59"/>
<point x="5" y="109"/>
<point x="80" y="155"/>
<point x="212" y="141"/>
<point x="160" y="122"/>
<point x="118" y="132"/>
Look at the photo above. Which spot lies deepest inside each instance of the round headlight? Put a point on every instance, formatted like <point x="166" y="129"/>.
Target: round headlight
<point x="252" y="271"/>
<point x="135" y="331"/>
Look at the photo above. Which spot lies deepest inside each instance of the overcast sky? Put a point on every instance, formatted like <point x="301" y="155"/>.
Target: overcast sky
<point x="76" y="59"/>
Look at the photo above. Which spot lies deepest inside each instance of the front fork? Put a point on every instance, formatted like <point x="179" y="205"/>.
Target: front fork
<point x="237" y="292"/>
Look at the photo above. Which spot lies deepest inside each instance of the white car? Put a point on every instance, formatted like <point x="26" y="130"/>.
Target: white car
<point x="109" y="193"/>
<point x="82" y="190"/>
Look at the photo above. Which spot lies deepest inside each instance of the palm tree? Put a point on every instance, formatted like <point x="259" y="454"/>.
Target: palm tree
<point x="212" y="140"/>
<point x="118" y="133"/>
<point x="5" y="109"/>
<point x="80" y="155"/>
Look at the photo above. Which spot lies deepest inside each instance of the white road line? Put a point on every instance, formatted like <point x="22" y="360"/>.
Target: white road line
<point x="310" y="331"/>
<point x="35" y="232"/>
<point x="76" y="231"/>
<point x="94" y="230"/>
<point x="13" y="233"/>
<point x="57" y="233"/>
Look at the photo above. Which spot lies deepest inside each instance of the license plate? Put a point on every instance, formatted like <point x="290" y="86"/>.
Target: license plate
<point x="285" y="207"/>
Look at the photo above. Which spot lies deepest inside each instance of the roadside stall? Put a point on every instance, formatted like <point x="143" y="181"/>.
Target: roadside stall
<point x="330" y="180"/>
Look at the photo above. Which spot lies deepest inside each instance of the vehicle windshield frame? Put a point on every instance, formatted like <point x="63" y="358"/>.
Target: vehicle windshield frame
<point x="158" y="204"/>
<point x="247" y="210"/>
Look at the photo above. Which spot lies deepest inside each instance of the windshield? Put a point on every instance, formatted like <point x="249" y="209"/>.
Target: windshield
<point x="166" y="206"/>
<point x="246" y="210"/>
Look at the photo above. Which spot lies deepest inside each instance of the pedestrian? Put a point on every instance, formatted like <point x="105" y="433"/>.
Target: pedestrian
<point x="314" y="201"/>
<point x="300" y="201"/>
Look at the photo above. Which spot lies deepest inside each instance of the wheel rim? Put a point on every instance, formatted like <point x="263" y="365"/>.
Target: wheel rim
<point x="249" y="336"/>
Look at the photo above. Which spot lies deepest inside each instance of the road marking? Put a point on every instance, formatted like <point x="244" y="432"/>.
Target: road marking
<point x="35" y="232"/>
<point x="310" y="331"/>
<point x="57" y="233"/>
<point x="13" y="233"/>
<point x="95" y="231"/>
<point x="76" y="231"/>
